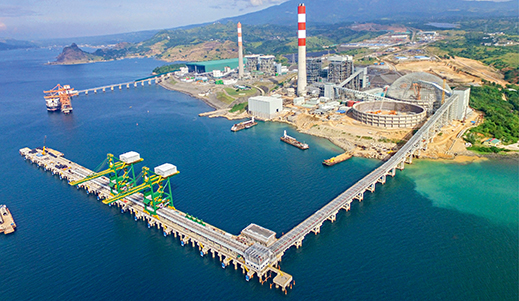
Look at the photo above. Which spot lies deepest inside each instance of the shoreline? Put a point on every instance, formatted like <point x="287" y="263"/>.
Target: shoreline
<point x="171" y="87"/>
<point x="222" y="110"/>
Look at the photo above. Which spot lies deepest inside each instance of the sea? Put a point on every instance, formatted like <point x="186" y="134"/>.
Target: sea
<point x="439" y="230"/>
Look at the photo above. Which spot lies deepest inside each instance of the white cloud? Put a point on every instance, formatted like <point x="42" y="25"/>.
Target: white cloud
<point x="264" y="2"/>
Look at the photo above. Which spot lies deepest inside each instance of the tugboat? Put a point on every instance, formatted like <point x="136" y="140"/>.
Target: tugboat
<point x="293" y="141"/>
<point x="244" y="125"/>
<point x="7" y="224"/>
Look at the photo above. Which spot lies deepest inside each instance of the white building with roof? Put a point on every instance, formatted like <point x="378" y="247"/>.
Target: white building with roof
<point x="266" y="107"/>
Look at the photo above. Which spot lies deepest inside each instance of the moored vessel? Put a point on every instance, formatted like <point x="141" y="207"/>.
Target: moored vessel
<point x="244" y="125"/>
<point x="53" y="104"/>
<point x="59" y="98"/>
<point x="293" y="141"/>
<point x="7" y="224"/>
<point x="337" y="159"/>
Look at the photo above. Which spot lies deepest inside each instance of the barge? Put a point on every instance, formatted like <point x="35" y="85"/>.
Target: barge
<point x="337" y="159"/>
<point x="244" y="125"/>
<point x="293" y="141"/>
<point x="7" y="224"/>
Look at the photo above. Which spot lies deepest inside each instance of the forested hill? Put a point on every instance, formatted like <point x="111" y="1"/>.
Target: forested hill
<point x="218" y="41"/>
<point x="336" y="11"/>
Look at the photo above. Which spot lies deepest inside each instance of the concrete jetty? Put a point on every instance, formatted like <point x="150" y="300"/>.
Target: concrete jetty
<point x="242" y="251"/>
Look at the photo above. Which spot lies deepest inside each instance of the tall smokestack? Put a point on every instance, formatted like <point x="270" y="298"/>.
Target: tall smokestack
<point x="301" y="35"/>
<point x="240" y="52"/>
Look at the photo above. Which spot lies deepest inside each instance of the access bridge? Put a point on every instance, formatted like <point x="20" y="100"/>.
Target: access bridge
<point x="413" y="147"/>
<point x="151" y="79"/>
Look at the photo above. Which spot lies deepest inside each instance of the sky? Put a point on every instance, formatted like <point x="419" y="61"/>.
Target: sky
<point x="45" y="19"/>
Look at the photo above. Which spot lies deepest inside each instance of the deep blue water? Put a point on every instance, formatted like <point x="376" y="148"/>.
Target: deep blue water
<point x="413" y="239"/>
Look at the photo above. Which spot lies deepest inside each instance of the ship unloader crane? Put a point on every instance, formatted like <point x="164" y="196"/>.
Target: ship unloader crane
<point x="156" y="188"/>
<point x="61" y="95"/>
<point x="121" y="173"/>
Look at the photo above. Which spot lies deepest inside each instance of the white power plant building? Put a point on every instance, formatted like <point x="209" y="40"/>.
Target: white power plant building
<point x="266" y="107"/>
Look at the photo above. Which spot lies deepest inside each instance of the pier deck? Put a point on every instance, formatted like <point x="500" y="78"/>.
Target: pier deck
<point x="229" y="248"/>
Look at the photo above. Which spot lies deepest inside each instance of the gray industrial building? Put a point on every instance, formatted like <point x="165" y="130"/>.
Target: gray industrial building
<point x="266" y="107"/>
<point x="266" y="64"/>
<point x="252" y="63"/>
<point x="313" y="70"/>
<point x="340" y="68"/>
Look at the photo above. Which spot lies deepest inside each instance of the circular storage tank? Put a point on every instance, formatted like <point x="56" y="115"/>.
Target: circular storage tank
<point x="389" y="114"/>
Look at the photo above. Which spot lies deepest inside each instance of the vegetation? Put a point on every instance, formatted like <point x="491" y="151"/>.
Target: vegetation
<point x="239" y="93"/>
<point x="396" y="141"/>
<point x="239" y="107"/>
<point x="486" y="150"/>
<point x="501" y="116"/>
<point x="168" y="68"/>
<point x="221" y="96"/>
<point x="258" y="39"/>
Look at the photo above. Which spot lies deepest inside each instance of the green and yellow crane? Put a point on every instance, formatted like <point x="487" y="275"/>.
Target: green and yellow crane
<point x="156" y="188"/>
<point x="120" y="172"/>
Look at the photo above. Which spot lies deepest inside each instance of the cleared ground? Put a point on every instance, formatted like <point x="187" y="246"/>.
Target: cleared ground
<point x="459" y="70"/>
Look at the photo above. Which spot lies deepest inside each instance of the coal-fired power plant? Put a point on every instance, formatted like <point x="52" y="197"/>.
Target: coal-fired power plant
<point x="301" y="35"/>
<point x="240" y="52"/>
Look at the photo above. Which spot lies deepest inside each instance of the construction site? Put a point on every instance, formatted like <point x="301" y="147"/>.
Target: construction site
<point x="368" y="111"/>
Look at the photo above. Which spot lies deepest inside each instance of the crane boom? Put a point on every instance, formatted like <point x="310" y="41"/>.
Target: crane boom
<point x="153" y="180"/>
<point x="114" y="168"/>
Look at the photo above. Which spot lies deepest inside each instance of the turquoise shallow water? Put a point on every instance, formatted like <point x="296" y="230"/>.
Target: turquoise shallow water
<point x="432" y="232"/>
<point x="488" y="188"/>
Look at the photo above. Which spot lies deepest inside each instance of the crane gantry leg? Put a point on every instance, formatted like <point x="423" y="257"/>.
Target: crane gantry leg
<point x="156" y="188"/>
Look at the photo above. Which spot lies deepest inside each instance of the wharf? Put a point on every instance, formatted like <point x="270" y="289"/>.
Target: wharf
<point x="7" y="224"/>
<point x="240" y="251"/>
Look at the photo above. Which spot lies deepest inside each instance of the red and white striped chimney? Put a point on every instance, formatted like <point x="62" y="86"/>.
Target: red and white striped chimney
<point x="301" y="35"/>
<point x="240" y="52"/>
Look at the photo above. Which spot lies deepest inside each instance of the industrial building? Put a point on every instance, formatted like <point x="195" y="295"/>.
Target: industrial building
<point x="340" y="68"/>
<point x="266" y="64"/>
<point x="251" y="63"/>
<point x="313" y="70"/>
<point x="266" y="107"/>
<point x="209" y="66"/>
<point x="260" y="234"/>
